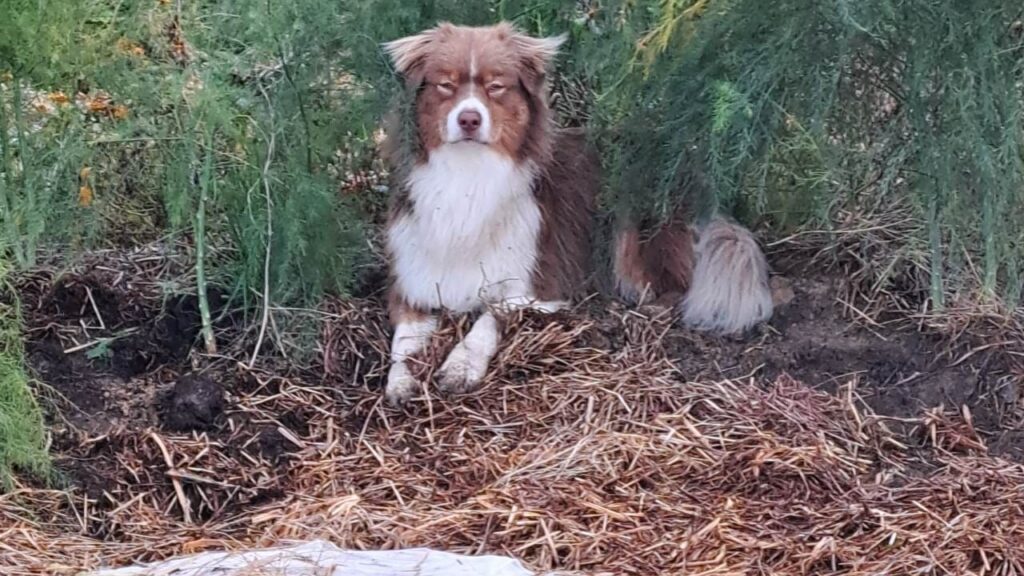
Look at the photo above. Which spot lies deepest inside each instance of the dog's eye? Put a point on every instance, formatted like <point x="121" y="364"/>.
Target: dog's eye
<point x="447" y="88"/>
<point x="495" y="88"/>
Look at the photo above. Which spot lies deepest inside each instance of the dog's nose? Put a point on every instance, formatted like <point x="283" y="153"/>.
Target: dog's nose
<point x="469" y="121"/>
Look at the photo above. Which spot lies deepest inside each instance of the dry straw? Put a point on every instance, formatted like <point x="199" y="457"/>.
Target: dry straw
<point x="577" y="456"/>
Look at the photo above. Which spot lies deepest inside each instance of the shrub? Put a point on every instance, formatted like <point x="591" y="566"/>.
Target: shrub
<point x="793" y="114"/>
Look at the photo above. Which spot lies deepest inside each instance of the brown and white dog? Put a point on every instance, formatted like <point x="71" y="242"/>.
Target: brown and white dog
<point x="494" y="211"/>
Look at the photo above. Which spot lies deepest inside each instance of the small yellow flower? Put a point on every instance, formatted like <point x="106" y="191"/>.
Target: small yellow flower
<point x="59" y="98"/>
<point x="85" y="196"/>
<point x="95" y="103"/>
<point x="120" y="112"/>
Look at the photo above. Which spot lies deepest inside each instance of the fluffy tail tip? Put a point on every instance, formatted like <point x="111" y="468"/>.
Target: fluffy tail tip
<point x="729" y="293"/>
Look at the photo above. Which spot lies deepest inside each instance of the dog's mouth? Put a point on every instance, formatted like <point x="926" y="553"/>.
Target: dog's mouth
<point x="474" y="137"/>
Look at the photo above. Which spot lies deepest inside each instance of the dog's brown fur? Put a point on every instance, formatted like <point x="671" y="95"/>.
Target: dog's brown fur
<point x="511" y="70"/>
<point x="657" y="268"/>
<point x="567" y="194"/>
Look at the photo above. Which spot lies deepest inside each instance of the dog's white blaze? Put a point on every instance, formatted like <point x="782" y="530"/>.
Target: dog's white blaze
<point x="453" y="133"/>
<point x="471" y="237"/>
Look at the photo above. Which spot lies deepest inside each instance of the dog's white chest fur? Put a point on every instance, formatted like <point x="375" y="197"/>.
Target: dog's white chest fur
<point x="471" y="236"/>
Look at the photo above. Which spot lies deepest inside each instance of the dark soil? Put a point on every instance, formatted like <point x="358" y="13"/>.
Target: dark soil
<point x="117" y="363"/>
<point x="899" y="372"/>
<point x="105" y="353"/>
<point x="113" y="362"/>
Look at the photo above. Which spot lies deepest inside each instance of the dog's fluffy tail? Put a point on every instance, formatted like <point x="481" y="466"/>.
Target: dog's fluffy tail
<point x="722" y="277"/>
<point x="729" y="292"/>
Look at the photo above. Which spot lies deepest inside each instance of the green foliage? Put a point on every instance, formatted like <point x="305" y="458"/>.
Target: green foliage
<point x="155" y="87"/>
<point x="32" y="44"/>
<point x="40" y="42"/>
<point x="22" y="436"/>
<point x="786" y="114"/>
<point x="798" y="109"/>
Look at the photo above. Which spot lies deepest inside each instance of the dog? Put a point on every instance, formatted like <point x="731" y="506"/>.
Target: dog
<point x="494" y="209"/>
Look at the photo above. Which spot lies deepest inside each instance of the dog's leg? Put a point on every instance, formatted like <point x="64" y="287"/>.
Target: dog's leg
<point x="466" y="365"/>
<point x="411" y="335"/>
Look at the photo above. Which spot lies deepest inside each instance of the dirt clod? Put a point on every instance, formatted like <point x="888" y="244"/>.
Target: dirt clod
<point x="194" y="403"/>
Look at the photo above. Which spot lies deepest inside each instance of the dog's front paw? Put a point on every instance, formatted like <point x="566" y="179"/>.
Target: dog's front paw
<point x="402" y="385"/>
<point x="462" y="371"/>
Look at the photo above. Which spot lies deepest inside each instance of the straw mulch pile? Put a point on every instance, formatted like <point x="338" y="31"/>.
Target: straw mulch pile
<point x="585" y="452"/>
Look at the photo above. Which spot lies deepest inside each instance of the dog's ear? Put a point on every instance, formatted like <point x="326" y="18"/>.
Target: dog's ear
<point x="538" y="53"/>
<point x="409" y="54"/>
<point x="535" y="56"/>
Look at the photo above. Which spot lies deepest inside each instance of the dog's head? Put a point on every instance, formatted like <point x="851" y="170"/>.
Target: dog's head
<point x="485" y="86"/>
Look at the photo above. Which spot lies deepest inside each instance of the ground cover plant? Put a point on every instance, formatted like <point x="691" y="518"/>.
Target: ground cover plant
<point x="22" y="439"/>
